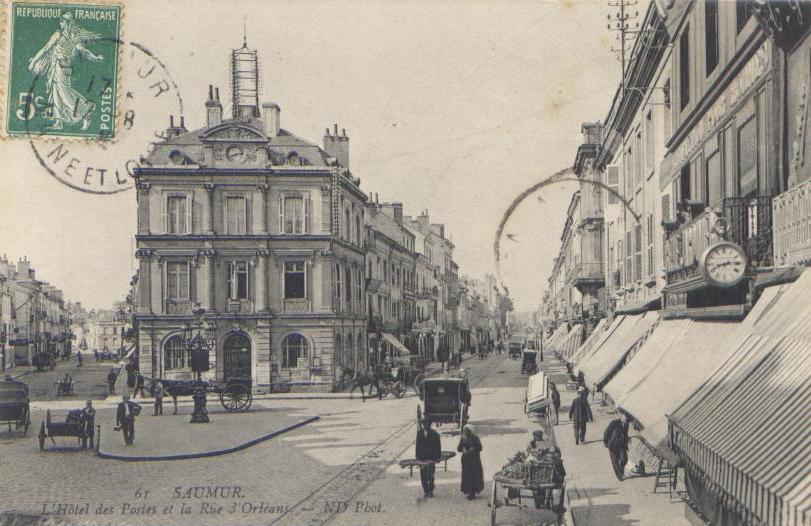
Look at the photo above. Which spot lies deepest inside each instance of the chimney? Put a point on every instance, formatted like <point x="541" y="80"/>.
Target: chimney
<point x="173" y="131"/>
<point x="213" y="107"/>
<point x="23" y="268"/>
<point x="397" y="208"/>
<point x="337" y="146"/>
<point x="271" y="113"/>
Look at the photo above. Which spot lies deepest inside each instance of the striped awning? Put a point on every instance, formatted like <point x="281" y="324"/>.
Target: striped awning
<point x="571" y="342"/>
<point x="601" y="333"/>
<point x="746" y="430"/>
<point x="669" y="366"/>
<point x="600" y="365"/>
<point x="552" y="343"/>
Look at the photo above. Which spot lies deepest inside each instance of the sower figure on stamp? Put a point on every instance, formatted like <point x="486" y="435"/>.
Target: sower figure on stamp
<point x="54" y="62"/>
<point x="429" y="447"/>
<point x="580" y="415"/>
<point x="125" y="418"/>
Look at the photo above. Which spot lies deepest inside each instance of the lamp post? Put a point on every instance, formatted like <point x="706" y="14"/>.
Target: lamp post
<point x="199" y="340"/>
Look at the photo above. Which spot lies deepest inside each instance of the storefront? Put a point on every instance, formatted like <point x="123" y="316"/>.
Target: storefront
<point x="743" y="435"/>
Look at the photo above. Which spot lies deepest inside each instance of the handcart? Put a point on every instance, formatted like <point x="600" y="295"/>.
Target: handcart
<point x="537" y="476"/>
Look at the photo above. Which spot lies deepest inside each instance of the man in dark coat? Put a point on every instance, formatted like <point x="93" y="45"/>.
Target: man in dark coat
<point x="580" y="415"/>
<point x="125" y="418"/>
<point x="111" y="378"/>
<point x="615" y="439"/>
<point x="139" y="384"/>
<point x="429" y="447"/>
<point x="555" y="400"/>
<point x="88" y="424"/>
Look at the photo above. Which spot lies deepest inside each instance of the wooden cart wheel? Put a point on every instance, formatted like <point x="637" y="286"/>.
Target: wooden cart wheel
<point x="41" y="436"/>
<point x="399" y="389"/>
<point x="236" y="398"/>
<point x="26" y="421"/>
<point x="493" y="504"/>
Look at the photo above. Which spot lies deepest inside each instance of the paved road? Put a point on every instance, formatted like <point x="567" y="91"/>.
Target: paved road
<point x="89" y="380"/>
<point x="340" y="470"/>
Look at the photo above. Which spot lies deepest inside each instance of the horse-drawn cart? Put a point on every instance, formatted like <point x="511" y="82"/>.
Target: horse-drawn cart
<point x="14" y="409"/>
<point x="234" y="394"/>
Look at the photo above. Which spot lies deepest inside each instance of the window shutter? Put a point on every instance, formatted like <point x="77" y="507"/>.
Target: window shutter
<point x="613" y="178"/>
<point x="637" y="252"/>
<point x="281" y="214"/>
<point x="306" y="226"/>
<point x="666" y="207"/>
<point x="188" y="214"/>
<point x="165" y="214"/>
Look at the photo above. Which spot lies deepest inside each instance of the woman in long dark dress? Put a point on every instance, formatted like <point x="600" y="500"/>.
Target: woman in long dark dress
<point x="472" y="473"/>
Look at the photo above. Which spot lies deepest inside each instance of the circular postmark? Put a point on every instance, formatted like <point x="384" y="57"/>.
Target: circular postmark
<point x="132" y="113"/>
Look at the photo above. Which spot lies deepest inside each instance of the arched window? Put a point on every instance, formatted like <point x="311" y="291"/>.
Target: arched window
<point x="294" y="350"/>
<point x="174" y="354"/>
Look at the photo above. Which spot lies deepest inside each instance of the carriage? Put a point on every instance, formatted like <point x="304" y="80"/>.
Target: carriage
<point x="14" y="405"/>
<point x="515" y="348"/>
<point x="529" y="362"/>
<point x="76" y="425"/>
<point x="44" y="360"/>
<point x="446" y="400"/>
<point x="234" y="393"/>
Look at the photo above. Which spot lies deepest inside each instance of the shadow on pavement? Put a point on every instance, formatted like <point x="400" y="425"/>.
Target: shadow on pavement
<point x="603" y="514"/>
<point x="496" y="427"/>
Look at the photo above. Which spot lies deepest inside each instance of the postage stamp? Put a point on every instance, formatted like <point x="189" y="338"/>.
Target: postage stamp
<point x="62" y="70"/>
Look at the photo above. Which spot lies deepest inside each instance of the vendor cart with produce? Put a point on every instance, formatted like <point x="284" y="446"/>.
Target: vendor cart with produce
<point x="536" y="476"/>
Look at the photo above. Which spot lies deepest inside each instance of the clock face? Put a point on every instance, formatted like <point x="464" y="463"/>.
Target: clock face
<point x="724" y="264"/>
<point x="235" y="154"/>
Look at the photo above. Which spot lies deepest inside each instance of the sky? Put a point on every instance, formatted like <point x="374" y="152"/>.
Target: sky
<point x="451" y="106"/>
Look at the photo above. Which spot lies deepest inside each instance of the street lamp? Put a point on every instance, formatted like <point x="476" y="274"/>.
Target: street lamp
<point x="199" y="338"/>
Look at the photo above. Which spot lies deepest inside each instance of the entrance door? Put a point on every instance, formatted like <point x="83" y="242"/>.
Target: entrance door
<point x="237" y="357"/>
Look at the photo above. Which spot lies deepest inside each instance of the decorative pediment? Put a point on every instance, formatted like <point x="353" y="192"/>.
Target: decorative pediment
<point x="234" y="132"/>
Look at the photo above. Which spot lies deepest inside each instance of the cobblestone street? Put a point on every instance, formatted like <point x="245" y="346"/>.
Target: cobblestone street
<point x="89" y="380"/>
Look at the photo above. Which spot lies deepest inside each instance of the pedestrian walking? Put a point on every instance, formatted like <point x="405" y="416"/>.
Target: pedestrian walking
<point x="125" y="418"/>
<point x="615" y="438"/>
<point x="139" y="385"/>
<point x="580" y="415"/>
<point x="79" y="358"/>
<point x="472" y="472"/>
<point x="555" y="400"/>
<point x="111" y="378"/>
<point x="88" y="424"/>
<point x="429" y="448"/>
<point x="96" y="354"/>
<point x="158" y="394"/>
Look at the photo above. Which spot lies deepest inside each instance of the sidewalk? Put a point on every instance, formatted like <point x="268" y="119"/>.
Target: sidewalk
<point x="595" y="495"/>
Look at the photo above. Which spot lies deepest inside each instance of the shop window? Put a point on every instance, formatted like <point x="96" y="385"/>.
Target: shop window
<point x="294" y="351"/>
<point x="748" y="157"/>
<point x="237" y="280"/>
<point x="684" y="68"/>
<point x="175" y="355"/>
<point x="711" y="34"/>
<point x="236" y="215"/>
<point x="714" y="178"/>
<point x="294" y="280"/>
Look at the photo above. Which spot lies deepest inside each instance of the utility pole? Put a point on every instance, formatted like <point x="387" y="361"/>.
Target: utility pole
<point x="619" y="20"/>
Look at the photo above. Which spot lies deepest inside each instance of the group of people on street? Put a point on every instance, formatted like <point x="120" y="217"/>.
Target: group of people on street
<point x="429" y="449"/>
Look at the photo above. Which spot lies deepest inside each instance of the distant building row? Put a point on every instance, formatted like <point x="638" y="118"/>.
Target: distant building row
<point x="34" y="316"/>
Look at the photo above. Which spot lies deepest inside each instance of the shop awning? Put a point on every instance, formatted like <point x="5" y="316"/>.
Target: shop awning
<point x="571" y="342"/>
<point x="596" y="339"/>
<point x="605" y="361"/>
<point x="745" y="432"/>
<point x="553" y="342"/>
<point x="675" y="360"/>
<point x="397" y="344"/>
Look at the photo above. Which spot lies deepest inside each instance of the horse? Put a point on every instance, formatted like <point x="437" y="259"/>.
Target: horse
<point x="361" y="380"/>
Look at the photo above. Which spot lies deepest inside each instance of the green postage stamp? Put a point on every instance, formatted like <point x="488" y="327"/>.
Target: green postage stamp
<point x="62" y="69"/>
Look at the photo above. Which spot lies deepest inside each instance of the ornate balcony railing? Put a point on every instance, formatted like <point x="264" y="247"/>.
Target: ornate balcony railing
<point x="749" y="224"/>
<point x="179" y="306"/>
<point x="238" y="307"/>
<point x="792" y="226"/>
